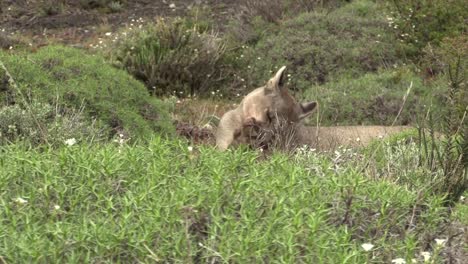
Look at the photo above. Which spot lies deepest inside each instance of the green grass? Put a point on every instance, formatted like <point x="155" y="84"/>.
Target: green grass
<point x="73" y="79"/>
<point x="376" y="98"/>
<point x="321" y="45"/>
<point x="161" y="202"/>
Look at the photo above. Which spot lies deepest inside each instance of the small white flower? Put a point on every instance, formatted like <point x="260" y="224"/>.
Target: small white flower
<point x="440" y="242"/>
<point x="426" y="255"/>
<point x="462" y="198"/>
<point x="367" y="246"/>
<point x="20" y="200"/>
<point x="108" y="33"/>
<point x="11" y="47"/>
<point x="70" y="141"/>
<point x="56" y="207"/>
<point x="173" y="6"/>
<point x="398" y="261"/>
<point x="358" y="139"/>
<point x="190" y="148"/>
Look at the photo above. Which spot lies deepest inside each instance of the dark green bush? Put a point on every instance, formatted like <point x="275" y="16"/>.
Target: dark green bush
<point x="375" y="98"/>
<point x="418" y="22"/>
<point x="72" y="79"/>
<point x="173" y="56"/>
<point x="318" y="47"/>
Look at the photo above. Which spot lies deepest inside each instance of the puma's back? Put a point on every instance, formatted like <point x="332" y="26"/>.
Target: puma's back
<point x="329" y="138"/>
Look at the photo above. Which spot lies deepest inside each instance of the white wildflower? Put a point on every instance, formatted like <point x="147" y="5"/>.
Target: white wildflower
<point x="426" y="255"/>
<point x="173" y="6"/>
<point x="108" y="33"/>
<point x="70" y="141"/>
<point x="398" y="261"/>
<point x="440" y="242"/>
<point x="190" y="148"/>
<point x="367" y="246"/>
<point x="56" y="207"/>
<point x="20" y="200"/>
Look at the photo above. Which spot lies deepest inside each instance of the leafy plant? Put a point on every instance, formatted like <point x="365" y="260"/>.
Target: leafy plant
<point x="40" y="123"/>
<point x="72" y="79"/>
<point x="417" y="22"/>
<point x="451" y="153"/>
<point x="172" y="58"/>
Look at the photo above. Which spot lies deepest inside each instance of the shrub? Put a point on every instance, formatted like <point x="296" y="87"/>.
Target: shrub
<point x="320" y="46"/>
<point x="450" y="154"/>
<point x="106" y="5"/>
<point x="42" y="123"/>
<point x="273" y="11"/>
<point x="419" y="22"/>
<point x="374" y="98"/>
<point x="70" y="78"/>
<point x="173" y="56"/>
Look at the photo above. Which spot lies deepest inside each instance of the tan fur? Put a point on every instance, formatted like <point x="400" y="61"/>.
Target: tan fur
<point x="256" y="111"/>
<point x="329" y="138"/>
<point x="273" y="102"/>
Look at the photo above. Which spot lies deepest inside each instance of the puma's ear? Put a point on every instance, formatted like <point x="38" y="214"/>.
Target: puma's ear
<point x="280" y="79"/>
<point x="277" y="82"/>
<point x="307" y="109"/>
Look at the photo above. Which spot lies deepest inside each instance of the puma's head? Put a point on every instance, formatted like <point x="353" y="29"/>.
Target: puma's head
<point x="283" y="104"/>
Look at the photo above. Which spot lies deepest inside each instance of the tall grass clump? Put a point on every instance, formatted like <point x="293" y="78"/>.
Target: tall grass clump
<point x="173" y="56"/>
<point x="166" y="202"/>
<point x="72" y="81"/>
<point x="450" y="154"/>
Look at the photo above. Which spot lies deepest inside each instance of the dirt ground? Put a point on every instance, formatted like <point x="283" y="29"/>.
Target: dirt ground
<point x="72" y="22"/>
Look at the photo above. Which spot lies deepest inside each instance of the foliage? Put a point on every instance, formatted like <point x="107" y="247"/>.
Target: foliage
<point x="107" y="5"/>
<point x="165" y="202"/>
<point x="274" y="11"/>
<point x="418" y="23"/>
<point x="173" y="56"/>
<point x="450" y="154"/>
<point x="318" y="47"/>
<point x="41" y="123"/>
<point x="375" y="98"/>
<point x="72" y="79"/>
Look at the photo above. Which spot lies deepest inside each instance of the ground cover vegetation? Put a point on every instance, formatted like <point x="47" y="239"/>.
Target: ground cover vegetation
<point x="91" y="169"/>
